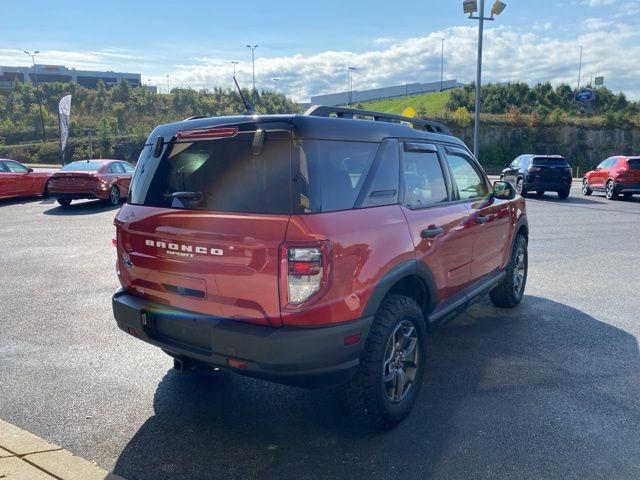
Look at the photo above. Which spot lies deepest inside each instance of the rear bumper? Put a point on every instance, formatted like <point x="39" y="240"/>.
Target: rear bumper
<point x="627" y="187"/>
<point x="547" y="184"/>
<point x="75" y="195"/>
<point x="294" y="356"/>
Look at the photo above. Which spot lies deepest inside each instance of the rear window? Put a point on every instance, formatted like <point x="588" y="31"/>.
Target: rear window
<point x="550" y="162"/>
<point x="220" y="175"/>
<point x="634" y="163"/>
<point x="84" y="166"/>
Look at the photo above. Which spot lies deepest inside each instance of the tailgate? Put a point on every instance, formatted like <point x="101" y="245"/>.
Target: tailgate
<point x="223" y="265"/>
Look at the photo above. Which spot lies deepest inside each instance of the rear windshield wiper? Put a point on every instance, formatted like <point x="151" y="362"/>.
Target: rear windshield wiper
<point x="184" y="195"/>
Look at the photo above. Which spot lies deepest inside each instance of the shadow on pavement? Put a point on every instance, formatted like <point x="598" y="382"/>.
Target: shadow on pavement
<point x="26" y="200"/>
<point x="553" y="198"/>
<point x="82" y="208"/>
<point x="541" y="391"/>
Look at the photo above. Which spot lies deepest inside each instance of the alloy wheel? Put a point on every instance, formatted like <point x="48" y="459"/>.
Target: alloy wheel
<point x="585" y="186"/>
<point x="609" y="190"/>
<point x="114" y="196"/>
<point x="519" y="187"/>
<point x="401" y="360"/>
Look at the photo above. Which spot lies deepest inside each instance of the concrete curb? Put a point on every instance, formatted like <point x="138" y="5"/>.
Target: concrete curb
<point x="24" y="456"/>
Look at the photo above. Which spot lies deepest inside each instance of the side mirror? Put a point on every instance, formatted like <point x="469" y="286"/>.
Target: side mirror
<point x="30" y="170"/>
<point x="504" y="190"/>
<point x="594" y="167"/>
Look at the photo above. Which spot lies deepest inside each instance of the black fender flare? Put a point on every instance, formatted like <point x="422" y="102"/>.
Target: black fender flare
<point x="522" y="221"/>
<point x="394" y="275"/>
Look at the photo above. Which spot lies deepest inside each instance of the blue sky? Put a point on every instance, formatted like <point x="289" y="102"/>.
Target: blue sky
<point x="307" y="45"/>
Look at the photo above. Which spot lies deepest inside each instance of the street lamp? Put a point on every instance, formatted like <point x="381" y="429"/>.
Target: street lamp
<point x="168" y="89"/>
<point x="442" y="67"/>
<point x="470" y="7"/>
<point x="350" y="69"/>
<point x="276" y="80"/>
<point x="253" y="63"/>
<point x="35" y="80"/>
<point x="234" y="63"/>
<point x="580" y="67"/>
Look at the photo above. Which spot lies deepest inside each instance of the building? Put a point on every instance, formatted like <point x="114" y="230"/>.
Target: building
<point x="358" y="96"/>
<point x="58" y="73"/>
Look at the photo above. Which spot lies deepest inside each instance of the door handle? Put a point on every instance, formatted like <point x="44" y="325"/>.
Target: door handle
<point x="483" y="218"/>
<point x="431" y="232"/>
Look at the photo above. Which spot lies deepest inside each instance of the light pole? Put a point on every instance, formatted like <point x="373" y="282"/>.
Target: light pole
<point x="275" y="81"/>
<point x="442" y="68"/>
<point x="234" y="63"/>
<point x="471" y="7"/>
<point x="253" y="64"/>
<point x="168" y="89"/>
<point x="35" y="81"/>
<point x="580" y="67"/>
<point x="350" y="69"/>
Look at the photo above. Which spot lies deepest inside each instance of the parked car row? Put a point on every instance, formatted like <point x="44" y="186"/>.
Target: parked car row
<point x="106" y="180"/>
<point x="615" y="176"/>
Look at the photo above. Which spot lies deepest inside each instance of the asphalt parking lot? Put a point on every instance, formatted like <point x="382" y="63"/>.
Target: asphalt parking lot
<point x="548" y="390"/>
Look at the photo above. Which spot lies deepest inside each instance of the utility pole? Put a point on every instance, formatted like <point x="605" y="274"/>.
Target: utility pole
<point x="253" y="63"/>
<point x="35" y="80"/>
<point x="442" y="68"/>
<point x="234" y="63"/>
<point x="471" y="7"/>
<point x="580" y="67"/>
<point x="168" y="89"/>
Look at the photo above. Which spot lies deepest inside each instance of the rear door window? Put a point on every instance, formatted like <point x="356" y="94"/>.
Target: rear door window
<point x="634" y="163"/>
<point x="383" y="187"/>
<point x="116" y="168"/>
<point x="3" y="168"/>
<point x="424" y="182"/>
<point x="128" y="168"/>
<point x="15" y="167"/>
<point x="225" y="175"/>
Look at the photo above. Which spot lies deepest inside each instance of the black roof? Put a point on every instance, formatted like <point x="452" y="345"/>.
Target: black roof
<point x="315" y="126"/>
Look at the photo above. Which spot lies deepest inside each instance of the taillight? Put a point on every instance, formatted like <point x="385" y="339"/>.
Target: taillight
<point x="304" y="273"/>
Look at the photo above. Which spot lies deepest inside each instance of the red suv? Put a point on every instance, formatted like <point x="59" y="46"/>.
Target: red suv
<point x="313" y="249"/>
<point x="614" y="176"/>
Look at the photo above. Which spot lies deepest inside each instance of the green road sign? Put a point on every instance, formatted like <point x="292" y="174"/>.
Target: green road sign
<point x="599" y="81"/>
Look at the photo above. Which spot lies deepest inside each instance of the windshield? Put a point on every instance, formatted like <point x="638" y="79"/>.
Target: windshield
<point x="84" y="166"/>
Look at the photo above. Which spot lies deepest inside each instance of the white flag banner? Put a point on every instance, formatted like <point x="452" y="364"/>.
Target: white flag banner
<point x="64" y="112"/>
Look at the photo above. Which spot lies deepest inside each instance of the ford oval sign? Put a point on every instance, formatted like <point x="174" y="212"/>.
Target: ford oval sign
<point x="585" y="95"/>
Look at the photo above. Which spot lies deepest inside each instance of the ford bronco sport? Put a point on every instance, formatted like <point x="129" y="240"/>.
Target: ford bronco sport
<point x="313" y="249"/>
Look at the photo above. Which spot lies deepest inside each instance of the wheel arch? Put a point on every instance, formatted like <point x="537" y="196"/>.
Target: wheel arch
<point x="413" y="279"/>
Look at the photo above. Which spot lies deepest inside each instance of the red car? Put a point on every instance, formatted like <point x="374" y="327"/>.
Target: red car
<point x="103" y="179"/>
<point x="18" y="180"/>
<point x="614" y="176"/>
<point x="310" y="249"/>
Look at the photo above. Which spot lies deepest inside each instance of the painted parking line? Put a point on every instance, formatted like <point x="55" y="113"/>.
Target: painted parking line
<point x="25" y="456"/>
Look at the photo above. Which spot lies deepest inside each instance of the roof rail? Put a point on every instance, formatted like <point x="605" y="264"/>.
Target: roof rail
<point x="343" y="112"/>
<point x="196" y="117"/>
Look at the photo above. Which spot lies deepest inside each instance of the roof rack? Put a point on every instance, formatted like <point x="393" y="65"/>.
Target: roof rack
<point x="343" y="112"/>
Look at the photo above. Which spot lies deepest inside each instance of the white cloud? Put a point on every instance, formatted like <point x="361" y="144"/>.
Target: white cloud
<point x="610" y="49"/>
<point x="598" y="3"/>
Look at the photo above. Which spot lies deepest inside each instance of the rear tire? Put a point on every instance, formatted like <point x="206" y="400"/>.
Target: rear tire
<point x="610" y="191"/>
<point x="114" y="196"/>
<point x="520" y="187"/>
<point x="64" y="202"/>
<point x="628" y="196"/>
<point x="564" y="194"/>
<point x="509" y="292"/>
<point x="45" y="190"/>
<point x="539" y="194"/>
<point x="388" y="379"/>
<point x="585" y="188"/>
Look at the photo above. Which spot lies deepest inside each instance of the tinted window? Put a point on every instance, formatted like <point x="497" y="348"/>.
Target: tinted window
<point x="331" y="174"/>
<point x="634" y="163"/>
<point x="15" y="167"/>
<point x="469" y="182"/>
<point x="550" y="162"/>
<point x="127" y="167"/>
<point x="383" y="189"/>
<point x="423" y="179"/>
<point x="224" y="175"/>
<point x="83" y="165"/>
<point x="3" y="168"/>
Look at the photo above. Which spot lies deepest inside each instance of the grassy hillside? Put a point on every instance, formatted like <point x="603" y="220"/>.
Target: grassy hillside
<point x="432" y="103"/>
